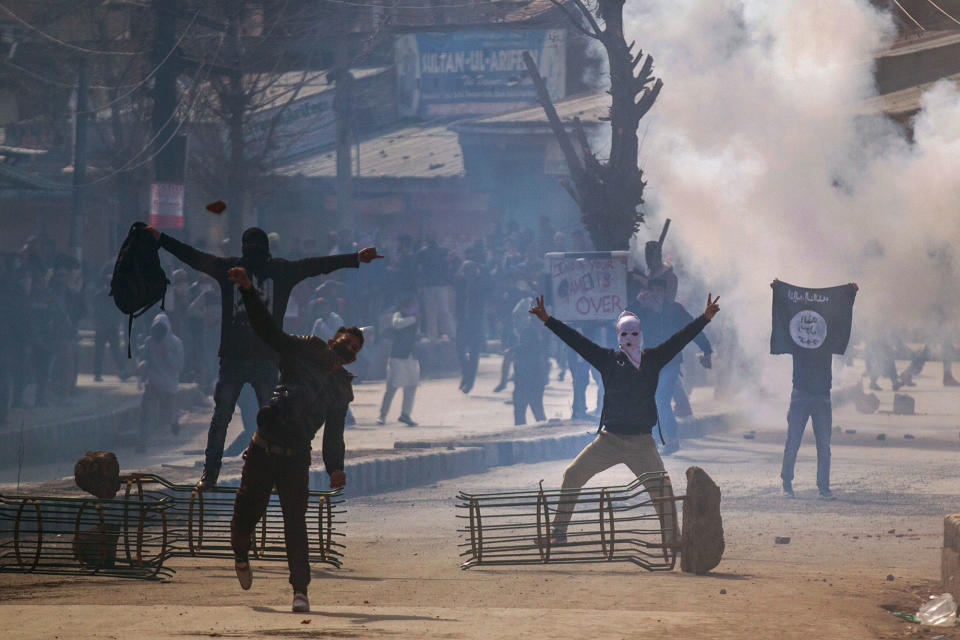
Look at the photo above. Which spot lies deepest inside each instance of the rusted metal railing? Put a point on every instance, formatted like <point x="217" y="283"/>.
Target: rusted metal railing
<point x="634" y="523"/>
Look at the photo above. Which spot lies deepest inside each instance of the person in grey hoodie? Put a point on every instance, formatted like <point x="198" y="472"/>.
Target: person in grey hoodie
<point x="160" y="363"/>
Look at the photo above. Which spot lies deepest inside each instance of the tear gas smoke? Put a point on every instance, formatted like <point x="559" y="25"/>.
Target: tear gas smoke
<point x="763" y="152"/>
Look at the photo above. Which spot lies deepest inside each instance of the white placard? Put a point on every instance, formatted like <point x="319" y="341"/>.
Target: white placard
<point x="588" y="285"/>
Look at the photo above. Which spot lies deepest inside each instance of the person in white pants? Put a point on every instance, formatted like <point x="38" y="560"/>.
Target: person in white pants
<point x="403" y="368"/>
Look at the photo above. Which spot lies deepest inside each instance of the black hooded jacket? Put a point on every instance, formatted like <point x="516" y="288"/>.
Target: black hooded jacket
<point x="311" y="392"/>
<point x="273" y="281"/>
<point x="629" y="407"/>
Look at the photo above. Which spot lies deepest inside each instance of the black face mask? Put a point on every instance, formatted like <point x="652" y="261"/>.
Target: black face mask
<point x="255" y="256"/>
<point x="344" y="352"/>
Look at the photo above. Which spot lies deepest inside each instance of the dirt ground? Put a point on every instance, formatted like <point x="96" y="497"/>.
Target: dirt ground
<point x="401" y="576"/>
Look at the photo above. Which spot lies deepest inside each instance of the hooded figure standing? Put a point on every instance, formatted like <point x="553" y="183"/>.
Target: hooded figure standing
<point x="630" y="376"/>
<point x="160" y="365"/>
<point x="244" y="357"/>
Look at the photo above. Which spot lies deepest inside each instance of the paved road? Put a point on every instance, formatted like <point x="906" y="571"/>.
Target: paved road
<point x="401" y="578"/>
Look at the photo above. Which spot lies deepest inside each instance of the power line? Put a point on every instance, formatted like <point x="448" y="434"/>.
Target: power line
<point x="907" y="13"/>
<point x="68" y="45"/>
<point x="195" y="91"/>
<point x="153" y="71"/>
<point x="940" y="9"/>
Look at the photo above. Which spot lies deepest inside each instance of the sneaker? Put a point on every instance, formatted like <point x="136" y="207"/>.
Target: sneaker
<point x="826" y="494"/>
<point x="244" y="574"/>
<point x="788" y="490"/>
<point x="500" y="387"/>
<point x="208" y="480"/>
<point x="300" y="602"/>
<point x="407" y="420"/>
<point x="381" y="421"/>
<point x="98" y="378"/>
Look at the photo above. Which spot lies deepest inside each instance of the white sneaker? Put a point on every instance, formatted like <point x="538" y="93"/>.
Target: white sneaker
<point x="244" y="574"/>
<point x="300" y="602"/>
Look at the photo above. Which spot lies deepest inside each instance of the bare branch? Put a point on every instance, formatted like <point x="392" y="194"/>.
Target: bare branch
<point x="648" y="98"/>
<point x="575" y="21"/>
<point x="589" y="16"/>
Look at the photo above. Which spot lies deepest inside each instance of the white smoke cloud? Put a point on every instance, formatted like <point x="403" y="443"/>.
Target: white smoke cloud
<point x="756" y="152"/>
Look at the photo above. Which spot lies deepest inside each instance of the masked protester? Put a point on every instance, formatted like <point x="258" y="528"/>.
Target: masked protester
<point x="314" y="390"/>
<point x="629" y="414"/>
<point x="244" y="358"/>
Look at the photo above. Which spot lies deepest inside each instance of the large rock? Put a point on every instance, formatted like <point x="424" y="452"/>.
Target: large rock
<point x="98" y="472"/>
<point x="701" y="540"/>
<point x="950" y="556"/>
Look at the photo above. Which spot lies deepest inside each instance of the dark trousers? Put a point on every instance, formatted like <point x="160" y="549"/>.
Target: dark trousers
<point x="469" y="342"/>
<point x="248" y="414"/>
<point x="103" y="337"/>
<point x="291" y="475"/>
<point x="817" y="408"/>
<point x="261" y="375"/>
<point x="43" y="358"/>
<point x="665" y="388"/>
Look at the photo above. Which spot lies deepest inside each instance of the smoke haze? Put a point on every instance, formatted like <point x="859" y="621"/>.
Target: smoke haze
<point x="762" y="152"/>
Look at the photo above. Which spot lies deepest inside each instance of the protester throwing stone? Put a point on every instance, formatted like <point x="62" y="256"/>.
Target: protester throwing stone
<point x="244" y="359"/>
<point x="314" y="389"/>
<point x="629" y="414"/>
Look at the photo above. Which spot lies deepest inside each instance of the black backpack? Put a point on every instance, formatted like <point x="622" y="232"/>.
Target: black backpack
<point x="138" y="280"/>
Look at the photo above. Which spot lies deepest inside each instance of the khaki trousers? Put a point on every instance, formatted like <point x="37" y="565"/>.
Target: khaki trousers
<point x="639" y="453"/>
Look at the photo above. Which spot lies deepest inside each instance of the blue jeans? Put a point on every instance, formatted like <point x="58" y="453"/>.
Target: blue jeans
<point x="261" y="375"/>
<point x="817" y="407"/>
<point x="665" y="387"/>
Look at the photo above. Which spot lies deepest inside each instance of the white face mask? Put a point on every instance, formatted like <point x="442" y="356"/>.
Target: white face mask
<point x="630" y="337"/>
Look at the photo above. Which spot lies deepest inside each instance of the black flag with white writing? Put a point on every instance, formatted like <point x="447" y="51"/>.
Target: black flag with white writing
<point x="811" y="319"/>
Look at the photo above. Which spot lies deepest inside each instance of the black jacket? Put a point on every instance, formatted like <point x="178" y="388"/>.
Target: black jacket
<point x="273" y="285"/>
<point x="628" y="394"/>
<point x="310" y="394"/>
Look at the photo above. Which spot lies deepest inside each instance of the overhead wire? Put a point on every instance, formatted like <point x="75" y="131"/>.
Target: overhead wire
<point x="195" y="92"/>
<point x="152" y="72"/>
<point x="941" y="10"/>
<point x="60" y="42"/>
<point x="907" y="13"/>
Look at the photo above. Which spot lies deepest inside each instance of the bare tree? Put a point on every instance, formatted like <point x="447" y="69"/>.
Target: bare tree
<point x="608" y="193"/>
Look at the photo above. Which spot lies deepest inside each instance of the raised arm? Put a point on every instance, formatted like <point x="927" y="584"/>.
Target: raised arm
<point x="664" y="353"/>
<point x="205" y="262"/>
<point x="588" y="350"/>
<point x="260" y="319"/>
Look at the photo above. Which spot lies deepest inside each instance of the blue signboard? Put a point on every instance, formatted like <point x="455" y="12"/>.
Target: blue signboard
<point x="476" y="72"/>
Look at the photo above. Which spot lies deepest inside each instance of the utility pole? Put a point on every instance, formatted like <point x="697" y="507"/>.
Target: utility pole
<point x="343" y="110"/>
<point x="79" y="162"/>
<point x="163" y="115"/>
<point x="236" y="175"/>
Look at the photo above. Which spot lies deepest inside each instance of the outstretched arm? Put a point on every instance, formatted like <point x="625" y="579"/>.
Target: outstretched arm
<point x="588" y="350"/>
<point x="260" y="319"/>
<point x="310" y="267"/>
<point x="205" y="262"/>
<point x="664" y="353"/>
